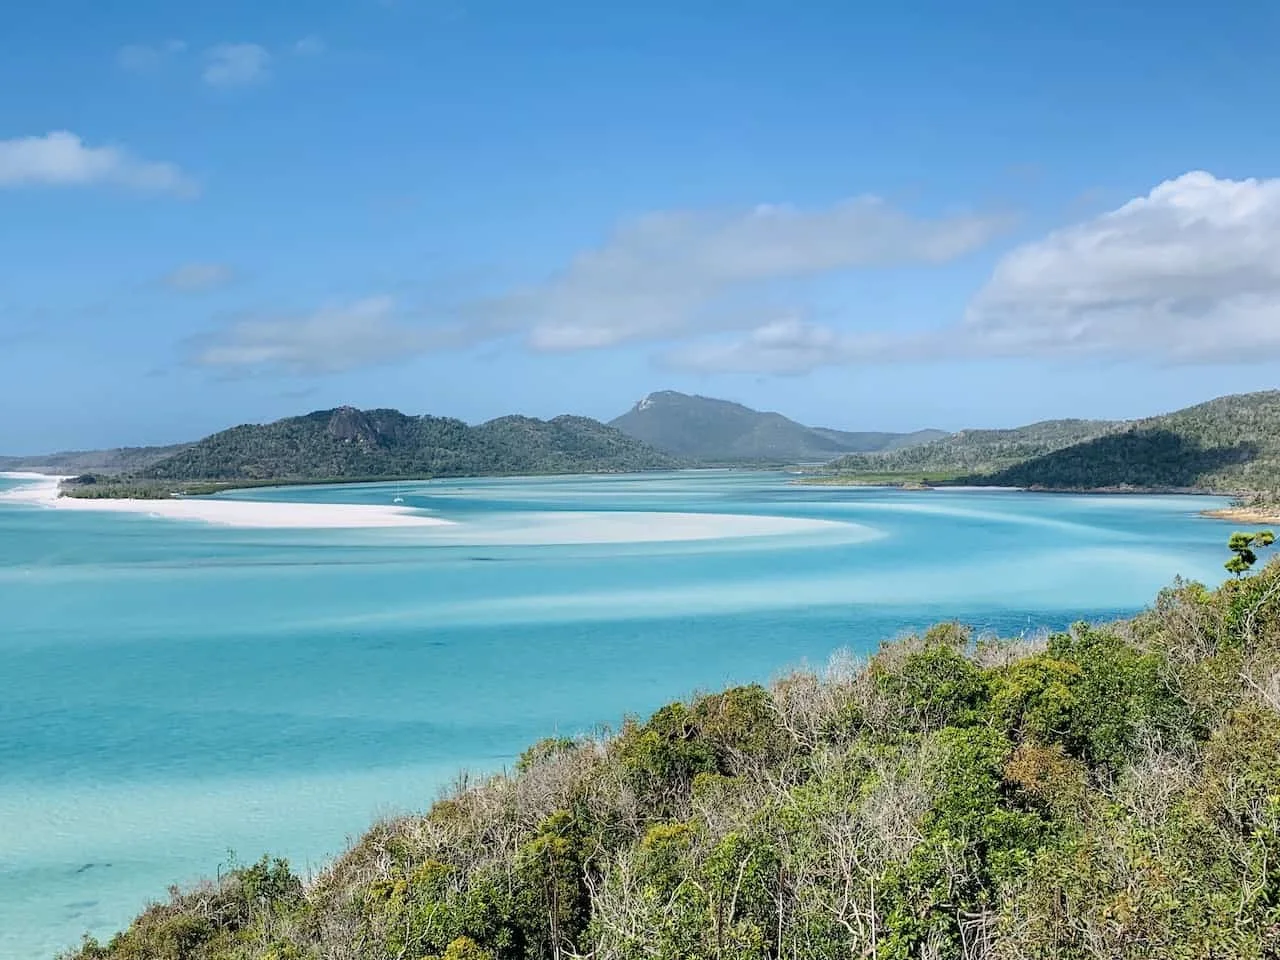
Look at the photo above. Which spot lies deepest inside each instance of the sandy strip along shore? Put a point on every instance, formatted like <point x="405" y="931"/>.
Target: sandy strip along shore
<point x="521" y="529"/>
<point x="43" y="491"/>
<point x="1248" y="515"/>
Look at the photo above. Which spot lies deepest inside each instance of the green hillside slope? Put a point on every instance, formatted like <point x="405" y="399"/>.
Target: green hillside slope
<point x="977" y="451"/>
<point x="710" y="430"/>
<point x="879" y="441"/>
<point x="1231" y="444"/>
<point x="104" y="462"/>
<point x="346" y="443"/>
<point x="1110" y="792"/>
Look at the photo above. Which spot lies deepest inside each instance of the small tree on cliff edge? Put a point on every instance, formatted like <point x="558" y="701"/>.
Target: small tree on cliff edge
<point x="1242" y="546"/>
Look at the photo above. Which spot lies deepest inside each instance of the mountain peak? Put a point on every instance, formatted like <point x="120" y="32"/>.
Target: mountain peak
<point x="708" y="429"/>
<point x="660" y="397"/>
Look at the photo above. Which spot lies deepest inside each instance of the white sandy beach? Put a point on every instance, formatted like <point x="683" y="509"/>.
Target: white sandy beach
<point x="518" y="529"/>
<point x="43" y="491"/>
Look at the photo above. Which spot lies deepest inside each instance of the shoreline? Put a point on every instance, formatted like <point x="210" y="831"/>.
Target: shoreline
<point x="245" y="514"/>
<point x="1266" y="515"/>
<point x="557" y="528"/>
<point x="1251" y="515"/>
<point x="1111" y="491"/>
<point x="42" y="490"/>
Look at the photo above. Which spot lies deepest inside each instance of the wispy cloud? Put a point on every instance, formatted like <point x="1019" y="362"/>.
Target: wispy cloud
<point x="678" y="273"/>
<point x="791" y="346"/>
<point x="310" y="46"/>
<point x="236" y="65"/>
<point x="145" y="58"/>
<point x="788" y="345"/>
<point x="333" y="339"/>
<point x="668" y="276"/>
<point x="197" y="277"/>
<point x="61" y="158"/>
<point x="222" y="65"/>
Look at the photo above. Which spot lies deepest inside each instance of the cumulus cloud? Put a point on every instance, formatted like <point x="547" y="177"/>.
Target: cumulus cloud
<point x="197" y="277"/>
<point x="144" y="58"/>
<point x="1190" y="272"/>
<point x="676" y="273"/>
<point x="61" y="158"/>
<point x="236" y="65"/>
<point x="333" y="339"/>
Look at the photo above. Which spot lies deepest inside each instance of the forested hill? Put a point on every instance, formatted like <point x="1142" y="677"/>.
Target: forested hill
<point x="978" y="451"/>
<point x="104" y="462"/>
<point x="1108" y="793"/>
<point x="346" y="443"/>
<point x="720" y="431"/>
<point x="1230" y="445"/>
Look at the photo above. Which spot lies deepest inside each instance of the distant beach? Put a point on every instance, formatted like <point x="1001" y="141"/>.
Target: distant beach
<point x="43" y="491"/>
<point x="558" y="527"/>
<point x="1253" y="515"/>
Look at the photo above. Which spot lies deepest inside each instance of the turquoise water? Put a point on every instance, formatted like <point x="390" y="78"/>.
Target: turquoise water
<point x="171" y="690"/>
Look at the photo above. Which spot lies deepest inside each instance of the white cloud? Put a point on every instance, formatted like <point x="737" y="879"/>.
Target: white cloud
<point x="197" y="277"/>
<point x="792" y="345"/>
<point x="1190" y="272"/>
<point x="144" y="58"/>
<point x="311" y="46"/>
<point x="675" y="273"/>
<point x="786" y="346"/>
<point x="236" y="65"/>
<point x="666" y="276"/>
<point x="333" y="339"/>
<point x="61" y="158"/>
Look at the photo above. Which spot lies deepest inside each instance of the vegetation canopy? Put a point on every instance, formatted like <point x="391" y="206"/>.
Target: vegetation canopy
<point x="1242" y="547"/>
<point x="718" y="431"/>
<point x="1228" y="445"/>
<point x="1109" y="791"/>
<point x="347" y="445"/>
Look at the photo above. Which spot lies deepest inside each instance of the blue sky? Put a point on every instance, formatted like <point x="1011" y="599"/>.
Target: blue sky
<point x="867" y="216"/>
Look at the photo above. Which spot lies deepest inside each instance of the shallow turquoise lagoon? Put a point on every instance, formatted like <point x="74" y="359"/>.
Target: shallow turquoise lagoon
<point x="173" y="690"/>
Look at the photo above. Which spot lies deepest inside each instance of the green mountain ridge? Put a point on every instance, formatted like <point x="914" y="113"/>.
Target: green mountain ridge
<point x="346" y="443"/>
<point x="1109" y="791"/>
<point x="978" y="451"/>
<point x="710" y="430"/>
<point x="1227" y="445"/>
<point x="111" y="462"/>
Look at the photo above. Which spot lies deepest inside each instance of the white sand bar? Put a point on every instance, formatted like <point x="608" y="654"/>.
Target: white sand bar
<point x="517" y="529"/>
<point x="559" y="527"/>
<point x="43" y="491"/>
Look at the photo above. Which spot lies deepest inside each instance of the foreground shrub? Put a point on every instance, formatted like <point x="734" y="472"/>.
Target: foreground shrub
<point x="1114" y="792"/>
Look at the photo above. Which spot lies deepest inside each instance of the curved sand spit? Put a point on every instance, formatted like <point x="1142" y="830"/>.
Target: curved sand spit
<point x="534" y="528"/>
<point x="43" y="491"/>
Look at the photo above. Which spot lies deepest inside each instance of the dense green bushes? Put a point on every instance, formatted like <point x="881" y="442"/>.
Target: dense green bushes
<point x="1111" y="791"/>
